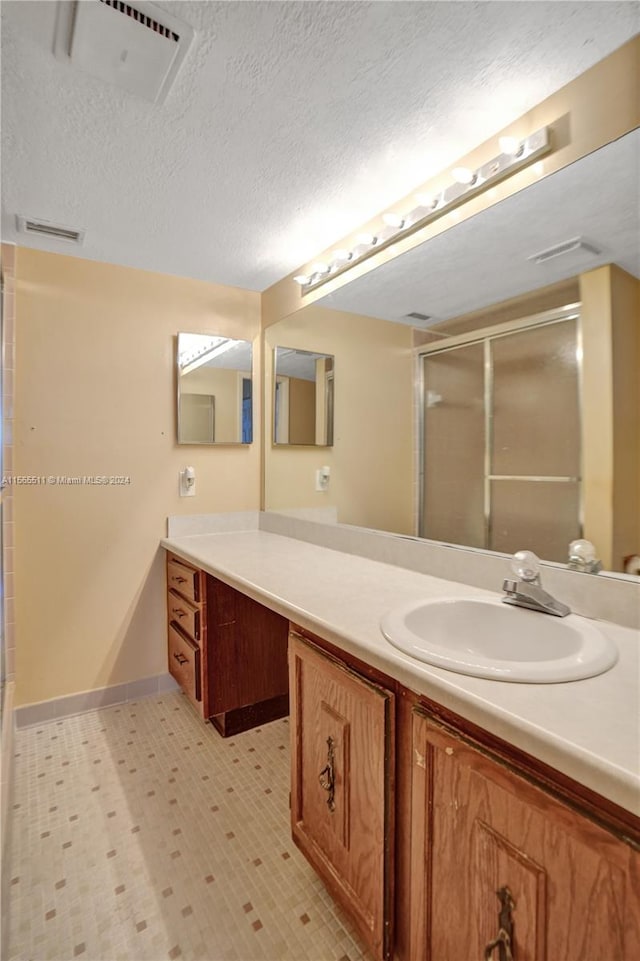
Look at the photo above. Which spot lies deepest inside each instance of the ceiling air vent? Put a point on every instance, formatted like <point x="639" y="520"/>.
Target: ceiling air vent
<point x="43" y="228"/>
<point x="140" y="17"/>
<point x="417" y="319"/>
<point x="135" y="46"/>
<point x="574" y="246"/>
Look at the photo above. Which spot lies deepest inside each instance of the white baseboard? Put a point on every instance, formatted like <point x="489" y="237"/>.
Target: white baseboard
<point x="70" y="704"/>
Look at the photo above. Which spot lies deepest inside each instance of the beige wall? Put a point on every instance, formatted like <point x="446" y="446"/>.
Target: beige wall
<point x="95" y="395"/>
<point x="371" y="460"/>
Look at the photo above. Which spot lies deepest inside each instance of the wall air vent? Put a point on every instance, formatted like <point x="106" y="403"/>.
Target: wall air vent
<point x="574" y="246"/>
<point x="135" y="46"/>
<point x="416" y="315"/>
<point x="43" y="228"/>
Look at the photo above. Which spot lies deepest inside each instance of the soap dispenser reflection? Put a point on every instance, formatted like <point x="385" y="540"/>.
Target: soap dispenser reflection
<point x="187" y="484"/>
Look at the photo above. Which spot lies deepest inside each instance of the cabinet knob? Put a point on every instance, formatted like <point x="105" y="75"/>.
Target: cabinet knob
<point x="327" y="776"/>
<point x="179" y="580"/>
<point x="181" y="659"/>
<point x="178" y="611"/>
<point x="504" y="937"/>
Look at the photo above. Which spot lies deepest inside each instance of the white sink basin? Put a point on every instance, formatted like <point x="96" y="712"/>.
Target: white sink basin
<point x="487" y="638"/>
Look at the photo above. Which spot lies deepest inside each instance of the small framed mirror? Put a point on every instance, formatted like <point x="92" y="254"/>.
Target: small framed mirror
<point x="215" y="396"/>
<point x="303" y="398"/>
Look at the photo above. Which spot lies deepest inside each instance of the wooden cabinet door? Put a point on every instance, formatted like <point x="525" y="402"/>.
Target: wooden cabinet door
<point x="478" y="827"/>
<point x="341" y="798"/>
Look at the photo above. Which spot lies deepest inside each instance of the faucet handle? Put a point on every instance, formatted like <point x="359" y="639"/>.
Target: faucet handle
<point x="582" y="557"/>
<point x="527" y="566"/>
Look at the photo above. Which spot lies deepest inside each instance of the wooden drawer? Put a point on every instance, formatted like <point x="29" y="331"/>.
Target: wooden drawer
<point x="184" y="663"/>
<point x="187" y="615"/>
<point x="185" y="580"/>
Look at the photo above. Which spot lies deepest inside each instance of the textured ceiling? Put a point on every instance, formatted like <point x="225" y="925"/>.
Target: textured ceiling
<point x="289" y="124"/>
<point x="485" y="259"/>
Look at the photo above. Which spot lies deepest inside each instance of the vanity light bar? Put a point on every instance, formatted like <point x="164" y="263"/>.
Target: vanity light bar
<point x="515" y="155"/>
<point x="196" y="358"/>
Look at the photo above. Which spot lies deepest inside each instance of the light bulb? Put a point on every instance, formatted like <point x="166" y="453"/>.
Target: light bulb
<point x="427" y="200"/>
<point x="463" y="175"/>
<point x="392" y="219"/>
<point x="510" y="145"/>
<point x="368" y="239"/>
<point x="302" y="279"/>
<point x="341" y="255"/>
<point x="320" y="268"/>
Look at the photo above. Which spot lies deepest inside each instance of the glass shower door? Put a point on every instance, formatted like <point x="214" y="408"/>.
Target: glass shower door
<point x="501" y="442"/>
<point x="535" y="441"/>
<point x="454" y="446"/>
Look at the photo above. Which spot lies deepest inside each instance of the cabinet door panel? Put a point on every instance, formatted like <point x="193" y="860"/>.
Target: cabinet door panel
<point x="478" y="826"/>
<point x="342" y="754"/>
<point x="495" y="861"/>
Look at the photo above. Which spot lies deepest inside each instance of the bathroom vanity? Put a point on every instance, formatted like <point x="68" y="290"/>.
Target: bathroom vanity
<point x="422" y="821"/>
<point x="452" y="816"/>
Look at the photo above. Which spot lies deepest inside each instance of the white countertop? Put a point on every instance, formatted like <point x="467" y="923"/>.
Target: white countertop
<point x="588" y="729"/>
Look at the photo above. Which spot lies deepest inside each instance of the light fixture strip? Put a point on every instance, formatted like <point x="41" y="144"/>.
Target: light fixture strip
<point x="503" y="165"/>
<point x="204" y="356"/>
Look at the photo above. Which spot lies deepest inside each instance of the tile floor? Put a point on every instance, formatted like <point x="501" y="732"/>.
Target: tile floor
<point x="139" y="833"/>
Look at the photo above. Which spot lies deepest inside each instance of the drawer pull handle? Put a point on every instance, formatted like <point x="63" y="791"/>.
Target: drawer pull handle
<point x="504" y="938"/>
<point x="181" y="659"/>
<point x="179" y="580"/>
<point x="178" y="611"/>
<point x="327" y="777"/>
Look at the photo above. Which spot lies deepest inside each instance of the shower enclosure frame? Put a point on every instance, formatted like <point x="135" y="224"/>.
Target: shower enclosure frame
<point x="485" y="335"/>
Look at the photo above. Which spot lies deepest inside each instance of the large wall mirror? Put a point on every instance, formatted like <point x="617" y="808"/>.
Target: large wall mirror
<point x="215" y="403"/>
<point x="511" y="340"/>
<point x="303" y="397"/>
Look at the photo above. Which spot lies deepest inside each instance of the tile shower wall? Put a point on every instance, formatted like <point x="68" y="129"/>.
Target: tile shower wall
<point x="139" y="833"/>
<point x="8" y="366"/>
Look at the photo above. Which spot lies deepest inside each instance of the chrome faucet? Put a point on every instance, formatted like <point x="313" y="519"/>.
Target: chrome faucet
<point x="527" y="591"/>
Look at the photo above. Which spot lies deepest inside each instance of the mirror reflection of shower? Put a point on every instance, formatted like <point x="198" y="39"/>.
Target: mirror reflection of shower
<point x="501" y="437"/>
